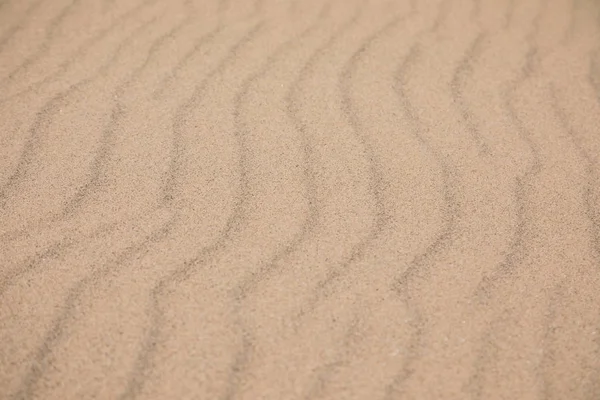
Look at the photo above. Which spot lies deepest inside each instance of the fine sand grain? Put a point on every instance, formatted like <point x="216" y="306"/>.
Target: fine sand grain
<point x="300" y="199"/>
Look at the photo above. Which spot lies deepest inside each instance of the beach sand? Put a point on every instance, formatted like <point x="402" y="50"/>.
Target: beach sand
<point x="299" y="199"/>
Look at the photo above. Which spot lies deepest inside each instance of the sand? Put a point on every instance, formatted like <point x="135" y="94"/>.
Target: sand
<point x="299" y="199"/>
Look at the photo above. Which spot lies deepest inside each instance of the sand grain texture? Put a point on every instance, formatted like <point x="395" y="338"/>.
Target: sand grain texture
<point x="285" y="199"/>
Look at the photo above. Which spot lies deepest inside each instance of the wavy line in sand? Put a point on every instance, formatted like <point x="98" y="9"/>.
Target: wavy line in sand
<point x="144" y="359"/>
<point x="418" y="268"/>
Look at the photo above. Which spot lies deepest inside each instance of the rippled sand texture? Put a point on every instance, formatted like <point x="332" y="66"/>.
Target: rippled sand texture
<point x="300" y="199"/>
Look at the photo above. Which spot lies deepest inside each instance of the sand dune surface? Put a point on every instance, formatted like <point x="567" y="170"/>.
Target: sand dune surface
<point x="299" y="199"/>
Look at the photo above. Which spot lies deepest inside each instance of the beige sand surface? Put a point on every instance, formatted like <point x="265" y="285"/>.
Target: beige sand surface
<point x="300" y="199"/>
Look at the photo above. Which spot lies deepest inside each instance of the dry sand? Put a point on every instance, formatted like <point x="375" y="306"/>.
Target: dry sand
<point x="300" y="199"/>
